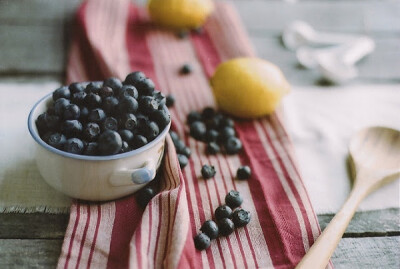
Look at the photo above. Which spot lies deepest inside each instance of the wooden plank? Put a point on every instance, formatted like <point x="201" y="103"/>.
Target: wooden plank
<point x="368" y="253"/>
<point x="369" y="223"/>
<point x="349" y="16"/>
<point x="33" y="226"/>
<point x="39" y="253"/>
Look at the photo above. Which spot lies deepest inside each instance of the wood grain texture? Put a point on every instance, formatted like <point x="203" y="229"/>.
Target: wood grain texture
<point x="25" y="253"/>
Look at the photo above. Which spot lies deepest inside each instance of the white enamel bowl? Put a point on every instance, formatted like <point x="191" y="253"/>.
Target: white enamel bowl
<point x="95" y="178"/>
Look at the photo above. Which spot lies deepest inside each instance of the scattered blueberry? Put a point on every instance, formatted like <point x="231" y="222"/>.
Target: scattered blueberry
<point x="222" y="212"/>
<point x="208" y="113"/>
<point x="193" y="116"/>
<point x="179" y="146"/>
<point x="226" y="133"/>
<point x="202" y="241"/>
<point x="212" y="148"/>
<point x="233" y="145"/>
<point x="212" y="135"/>
<point x="198" y="130"/>
<point x="226" y="226"/>
<point x="241" y="217"/>
<point x="208" y="171"/>
<point x="210" y="228"/>
<point x="186" y="69"/>
<point x="183" y="160"/>
<point x="233" y="199"/>
<point x="110" y="143"/>
<point x="144" y="195"/>
<point x="186" y="151"/>
<point x="227" y="122"/>
<point x="243" y="172"/>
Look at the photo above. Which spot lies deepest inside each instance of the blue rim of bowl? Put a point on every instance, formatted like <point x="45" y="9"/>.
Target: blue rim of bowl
<point x="38" y="140"/>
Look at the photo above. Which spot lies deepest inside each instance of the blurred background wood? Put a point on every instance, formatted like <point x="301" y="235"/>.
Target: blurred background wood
<point x="33" y="47"/>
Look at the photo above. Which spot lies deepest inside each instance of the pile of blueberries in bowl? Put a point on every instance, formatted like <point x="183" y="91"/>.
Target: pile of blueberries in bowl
<point x="104" y="118"/>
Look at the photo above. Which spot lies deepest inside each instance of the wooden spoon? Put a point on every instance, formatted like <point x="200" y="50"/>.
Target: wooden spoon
<point x="375" y="160"/>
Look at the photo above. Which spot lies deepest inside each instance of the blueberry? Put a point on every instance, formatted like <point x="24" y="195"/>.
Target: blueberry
<point x="128" y="121"/>
<point x="241" y="217"/>
<point x="208" y="171"/>
<point x="60" y="105"/>
<point x="227" y="122"/>
<point x="243" y="172"/>
<point x="148" y="104"/>
<point x="233" y="145"/>
<point x="208" y="113"/>
<point x="179" y="146"/>
<point x="92" y="100"/>
<point x="198" y="130"/>
<point x="150" y="130"/>
<point x="126" y="135"/>
<point x="57" y="140"/>
<point x="160" y="98"/>
<point x="211" y="135"/>
<point x="139" y="141"/>
<point x="225" y="133"/>
<point x="222" y="212"/>
<point x="213" y="148"/>
<point x="110" y="123"/>
<point x="145" y="86"/>
<point x="76" y="87"/>
<point x="91" y="149"/>
<point x="110" y="105"/>
<point x="198" y="30"/>
<point x="46" y="122"/>
<point x="125" y="147"/>
<point x="84" y="114"/>
<point x="144" y="195"/>
<point x="183" y="160"/>
<point x="74" y="145"/>
<point x="202" y="241"/>
<point x="174" y="136"/>
<point x="226" y="226"/>
<point x="186" y="69"/>
<point x="193" y="116"/>
<point x="214" y="122"/>
<point x="113" y="83"/>
<point x="128" y="104"/>
<point x="210" y="228"/>
<point x="128" y="90"/>
<point x="233" y="199"/>
<point x="110" y="143"/>
<point x="133" y="77"/>
<point x="106" y="91"/>
<point x="182" y="34"/>
<point x="93" y="87"/>
<point x="71" y="128"/>
<point x="161" y="117"/>
<point x="186" y="151"/>
<point x="72" y="112"/>
<point x="97" y="115"/>
<point x="141" y="120"/>
<point x="170" y="100"/>
<point x="62" y="92"/>
<point x="78" y="98"/>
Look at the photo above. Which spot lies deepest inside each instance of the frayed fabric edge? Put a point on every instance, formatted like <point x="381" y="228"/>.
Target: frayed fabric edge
<point x="34" y="209"/>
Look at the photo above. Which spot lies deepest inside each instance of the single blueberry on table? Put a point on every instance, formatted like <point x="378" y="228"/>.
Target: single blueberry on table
<point x="110" y="143"/>
<point x="174" y="136"/>
<point x="227" y="122"/>
<point x="198" y="130"/>
<point x="226" y="226"/>
<point x="208" y="171"/>
<point x="202" y="241"/>
<point x="183" y="160"/>
<point x="233" y="145"/>
<point x="170" y="100"/>
<point x="179" y="145"/>
<point x="186" y="69"/>
<point x="186" y="151"/>
<point x="243" y="172"/>
<point x="241" y="217"/>
<point x="193" y="116"/>
<point x="212" y="148"/>
<point x="144" y="195"/>
<point x="233" y="199"/>
<point x="208" y="113"/>
<point x="210" y="228"/>
<point x="222" y="212"/>
<point x="225" y="133"/>
<point x="212" y="135"/>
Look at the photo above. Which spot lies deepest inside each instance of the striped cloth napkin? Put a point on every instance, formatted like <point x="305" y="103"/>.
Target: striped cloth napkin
<point x="112" y="38"/>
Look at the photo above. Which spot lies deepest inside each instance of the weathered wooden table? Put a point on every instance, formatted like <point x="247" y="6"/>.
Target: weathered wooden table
<point x="33" y="45"/>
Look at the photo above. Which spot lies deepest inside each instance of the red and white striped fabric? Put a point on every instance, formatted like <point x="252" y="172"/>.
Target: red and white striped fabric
<point x="112" y="38"/>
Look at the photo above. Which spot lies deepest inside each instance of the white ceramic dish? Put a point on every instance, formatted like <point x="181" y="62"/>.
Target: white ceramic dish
<point x="95" y="178"/>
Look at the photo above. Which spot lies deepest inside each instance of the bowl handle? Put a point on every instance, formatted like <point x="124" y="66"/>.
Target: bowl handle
<point x="134" y="176"/>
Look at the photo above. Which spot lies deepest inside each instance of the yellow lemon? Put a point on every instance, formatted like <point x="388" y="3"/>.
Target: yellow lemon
<point x="180" y="13"/>
<point x="248" y="87"/>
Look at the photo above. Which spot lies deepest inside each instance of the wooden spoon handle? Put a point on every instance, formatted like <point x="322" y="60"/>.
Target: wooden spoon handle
<point x="323" y="248"/>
